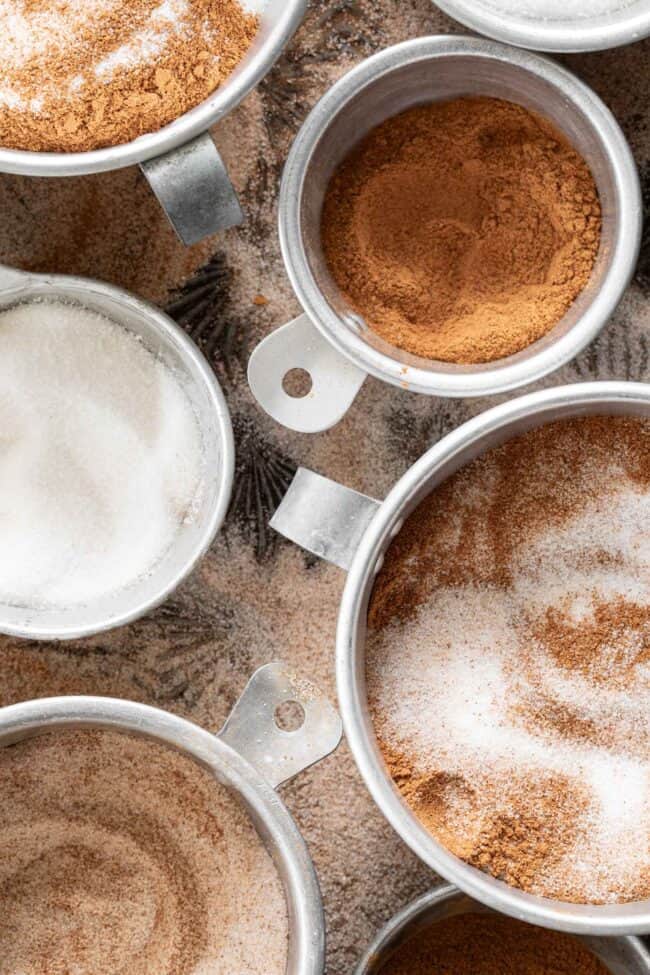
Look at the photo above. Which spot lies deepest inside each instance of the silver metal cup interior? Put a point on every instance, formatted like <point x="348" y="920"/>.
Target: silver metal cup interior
<point x="440" y="68"/>
<point x="266" y="810"/>
<point x="469" y="441"/>
<point x="166" y="341"/>
<point x="278" y="21"/>
<point x="594" y="32"/>
<point x="622" y="956"/>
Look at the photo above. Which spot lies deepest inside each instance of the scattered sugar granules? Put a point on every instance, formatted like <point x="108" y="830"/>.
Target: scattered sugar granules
<point x="100" y="456"/>
<point x="119" y="856"/>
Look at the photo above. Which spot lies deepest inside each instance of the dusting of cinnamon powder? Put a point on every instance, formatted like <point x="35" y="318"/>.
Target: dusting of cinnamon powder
<point x="77" y="75"/>
<point x="508" y="661"/>
<point x="463" y="230"/>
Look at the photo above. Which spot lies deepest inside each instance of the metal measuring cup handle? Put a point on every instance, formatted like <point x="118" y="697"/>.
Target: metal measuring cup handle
<point x="324" y="517"/>
<point x="192" y="185"/>
<point x="335" y="381"/>
<point x="252" y="731"/>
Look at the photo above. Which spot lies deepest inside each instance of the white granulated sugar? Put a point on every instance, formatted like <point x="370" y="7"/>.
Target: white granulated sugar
<point x="100" y="456"/>
<point x="458" y="687"/>
<point x="27" y="33"/>
<point x="562" y="10"/>
<point x="147" y="44"/>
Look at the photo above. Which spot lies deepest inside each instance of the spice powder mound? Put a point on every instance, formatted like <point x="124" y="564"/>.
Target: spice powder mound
<point x="462" y="231"/>
<point x="487" y="944"/>
<point x="508" y="661"/>
<point x="77" y="75"/>
<point x="119" y="856"/>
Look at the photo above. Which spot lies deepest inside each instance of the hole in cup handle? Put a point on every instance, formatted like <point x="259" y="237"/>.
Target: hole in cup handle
<point x="335" y="381"/>
<point x="253" y="732"/>
<point x="192" y="185"/>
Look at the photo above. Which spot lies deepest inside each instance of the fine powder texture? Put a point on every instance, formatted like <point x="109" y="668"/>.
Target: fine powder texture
<point x="509" y="661"/>
<point x="77" y="75"/>
<point x="488" y="944"/>
<point x="119" y="856"/>
<point x="462" y="231"/>
<point x="101" y="461"/>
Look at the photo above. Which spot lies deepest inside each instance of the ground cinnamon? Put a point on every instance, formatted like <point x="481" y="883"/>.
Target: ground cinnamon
<point x="463" y="230"/>
<point x="507" y="661"/>
<point x="488" y="944"/>
<point x="77" y="75"/>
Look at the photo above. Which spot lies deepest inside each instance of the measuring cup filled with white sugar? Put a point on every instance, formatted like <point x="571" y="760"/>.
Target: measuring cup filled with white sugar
<point x="115" y="456"/>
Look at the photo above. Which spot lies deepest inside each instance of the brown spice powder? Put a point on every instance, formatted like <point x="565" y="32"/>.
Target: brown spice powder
<point x="113" y="71"/>
<point x="575" y="670"/>
<point x="119" y="856"/>
<point x="488" y="944"/>
<point x="463" y="230"/>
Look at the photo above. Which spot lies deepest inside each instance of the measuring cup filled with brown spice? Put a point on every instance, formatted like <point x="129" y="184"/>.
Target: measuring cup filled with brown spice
<point x="97" y="85"/>
<point x="492" y="652"/>
<point x="135" y="842"/>
<point x="445" y="931"/>
<point x="457" y="218"/>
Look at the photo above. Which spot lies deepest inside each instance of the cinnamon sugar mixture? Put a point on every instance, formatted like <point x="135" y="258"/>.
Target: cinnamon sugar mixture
<point x="77" y="75"/>
<point x="509" y="661"/>
<point x="119" y="856"/>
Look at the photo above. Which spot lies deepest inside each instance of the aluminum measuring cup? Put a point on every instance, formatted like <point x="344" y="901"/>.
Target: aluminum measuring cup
<point x="251" y="755"/>
<point x="330" y="342"/>
<point x="169" y="343"/>
<point x="595" y="32"/>
<point x="354" y="531"/>
<point x="181" y="161"/>
<point x="621" y="956"/>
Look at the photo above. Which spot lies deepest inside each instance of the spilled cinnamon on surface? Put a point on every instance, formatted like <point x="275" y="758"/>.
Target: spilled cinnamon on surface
<point x="508" y="661"/>
<point x="463" y="230"/>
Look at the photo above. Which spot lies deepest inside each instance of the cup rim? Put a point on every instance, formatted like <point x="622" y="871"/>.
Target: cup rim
<point x="61" y="285"/>
<point x="192" y="123"/>
<point x="261" y="800"/>
<point x="565" y="36"/>
<point x="608" y="919"/>
<point x="491" y="378"/>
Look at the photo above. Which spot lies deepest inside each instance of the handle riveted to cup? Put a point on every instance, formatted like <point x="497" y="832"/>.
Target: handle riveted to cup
<point x="335" y="381"/>
<point x="354" y="532"/>
<point x="333" y="343"/>
<point x="194" y="189"/>
<point x="180" y="160"/>
<point x="248" y="756"/>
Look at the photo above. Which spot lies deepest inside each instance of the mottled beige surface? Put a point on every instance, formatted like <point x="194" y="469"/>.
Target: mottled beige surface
<point x="252" y="600"/>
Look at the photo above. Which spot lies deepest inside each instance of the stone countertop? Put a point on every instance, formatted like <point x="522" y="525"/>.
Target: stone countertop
<point x="256" y="597"/>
